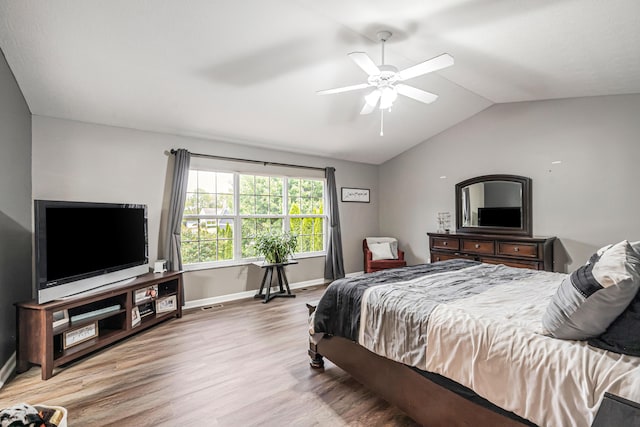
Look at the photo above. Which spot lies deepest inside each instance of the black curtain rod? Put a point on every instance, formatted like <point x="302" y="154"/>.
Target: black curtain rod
<point x="236" y="159"/>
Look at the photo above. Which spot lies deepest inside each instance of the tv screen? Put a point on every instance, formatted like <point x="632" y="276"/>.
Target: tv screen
<point x="80" y="246"/>
<point x="500" y="217"/>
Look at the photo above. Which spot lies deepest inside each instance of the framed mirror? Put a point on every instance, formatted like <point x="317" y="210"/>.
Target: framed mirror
<point x="494" y="204"/>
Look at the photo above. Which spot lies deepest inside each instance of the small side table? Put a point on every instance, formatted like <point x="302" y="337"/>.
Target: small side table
<point x="266" y="281"/>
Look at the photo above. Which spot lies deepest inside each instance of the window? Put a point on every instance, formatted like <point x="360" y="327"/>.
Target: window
<point x="225" y="212"/>
<point x="208" y="221"/>
<point x="306" y="208"/>
<point x="261" y="209"/>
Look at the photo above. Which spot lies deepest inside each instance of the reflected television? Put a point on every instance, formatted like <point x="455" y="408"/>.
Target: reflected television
<point x="500" y="217"/>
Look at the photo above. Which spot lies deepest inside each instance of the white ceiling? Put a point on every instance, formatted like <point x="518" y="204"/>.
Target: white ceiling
<point x="247" y="70"/>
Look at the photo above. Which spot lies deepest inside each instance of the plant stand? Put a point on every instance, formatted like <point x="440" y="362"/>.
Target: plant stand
<point x="283" y="283"/>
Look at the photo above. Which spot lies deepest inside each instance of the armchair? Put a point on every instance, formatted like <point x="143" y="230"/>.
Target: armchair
<point x="371" y="265"/>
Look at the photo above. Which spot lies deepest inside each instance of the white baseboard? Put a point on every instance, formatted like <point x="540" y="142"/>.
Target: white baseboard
<point x="249" y="294"/>
<point x="7" y="369"/>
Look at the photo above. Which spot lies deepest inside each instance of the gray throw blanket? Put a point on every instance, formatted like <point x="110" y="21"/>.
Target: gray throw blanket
<point x="338" y="312"/>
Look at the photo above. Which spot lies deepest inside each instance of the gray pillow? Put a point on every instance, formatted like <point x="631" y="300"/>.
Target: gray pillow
<point x="591" y="298"/>
<point x="622" y="335"/>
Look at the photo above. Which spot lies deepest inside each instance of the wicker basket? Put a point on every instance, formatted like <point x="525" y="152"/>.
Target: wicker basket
<point x="63" y="421"/>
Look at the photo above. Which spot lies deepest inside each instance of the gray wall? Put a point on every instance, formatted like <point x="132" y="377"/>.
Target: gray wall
<point x="15" y="206"/>
<point x="589" y="200"/>
<point x="80" y="161"/>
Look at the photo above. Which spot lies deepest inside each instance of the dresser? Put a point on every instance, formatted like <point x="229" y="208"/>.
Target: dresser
<point x="513" y="251"/>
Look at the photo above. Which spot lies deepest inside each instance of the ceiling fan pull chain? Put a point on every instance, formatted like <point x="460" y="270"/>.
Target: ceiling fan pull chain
<point x="381" y="122"/>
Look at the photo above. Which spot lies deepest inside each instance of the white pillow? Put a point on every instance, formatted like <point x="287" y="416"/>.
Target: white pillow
<point x="636" y="246"/>
<point x="393" y="242"/>
<point x="380" y="251"/>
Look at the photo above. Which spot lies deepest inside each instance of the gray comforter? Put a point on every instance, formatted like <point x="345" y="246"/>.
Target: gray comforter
<point x="339" y="309"/>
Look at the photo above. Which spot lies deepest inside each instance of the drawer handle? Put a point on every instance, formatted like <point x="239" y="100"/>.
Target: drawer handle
<point x="445" y="243"/>
<point x="477" y="245"/>
<point x="516" y="249"/>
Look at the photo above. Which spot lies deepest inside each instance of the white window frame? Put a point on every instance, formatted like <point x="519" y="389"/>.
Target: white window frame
<point x="237" y="219"/>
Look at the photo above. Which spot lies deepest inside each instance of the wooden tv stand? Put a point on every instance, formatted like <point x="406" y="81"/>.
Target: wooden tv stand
<point x="102" y="318"/>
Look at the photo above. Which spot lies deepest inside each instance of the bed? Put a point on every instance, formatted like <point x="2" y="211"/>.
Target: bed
<point x="459" y="342"/>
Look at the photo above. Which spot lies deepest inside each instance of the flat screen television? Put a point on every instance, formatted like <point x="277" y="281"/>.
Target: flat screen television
<point x="81" y="246"/>
<point x="500" y="217"/>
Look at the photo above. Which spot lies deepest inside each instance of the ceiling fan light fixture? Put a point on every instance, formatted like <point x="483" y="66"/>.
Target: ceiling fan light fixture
<point x="389" y="95"/>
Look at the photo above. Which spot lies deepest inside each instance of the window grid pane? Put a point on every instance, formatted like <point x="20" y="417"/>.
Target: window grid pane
<point x="262" y="205"/>
<point x="208" y="221"/>
<point x="310" y="233"/>
<point x="207" y="250"/>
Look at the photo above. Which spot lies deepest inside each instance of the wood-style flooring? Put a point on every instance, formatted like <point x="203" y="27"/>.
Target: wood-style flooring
<point x="242" y="364"/>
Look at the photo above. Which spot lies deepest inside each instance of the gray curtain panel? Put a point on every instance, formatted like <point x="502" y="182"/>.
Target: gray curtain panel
<point x="176" y="207"/>
<point x="334" y="266"/>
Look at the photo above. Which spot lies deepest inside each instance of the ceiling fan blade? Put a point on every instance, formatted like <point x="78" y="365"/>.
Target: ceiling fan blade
<point x="428" y="66"/>
<point x="363" y="61"/>
<point x="343" y="89"/>
<point x="367" y="109"/>
<point x="417" y="94"/>
<point x="371" y="101"/>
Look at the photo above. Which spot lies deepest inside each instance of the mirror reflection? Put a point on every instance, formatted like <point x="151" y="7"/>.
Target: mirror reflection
<point x="492" y="204"/>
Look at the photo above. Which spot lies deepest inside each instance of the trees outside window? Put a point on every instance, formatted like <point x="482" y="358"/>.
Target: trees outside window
<point x="306" y="209"/>
<point x="219" y="203"/>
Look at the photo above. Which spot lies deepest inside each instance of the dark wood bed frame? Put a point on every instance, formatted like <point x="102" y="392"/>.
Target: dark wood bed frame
<point x="424" y="401"/>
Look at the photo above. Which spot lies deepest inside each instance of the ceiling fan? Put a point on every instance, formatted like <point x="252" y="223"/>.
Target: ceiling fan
<point x="387" y="80"/>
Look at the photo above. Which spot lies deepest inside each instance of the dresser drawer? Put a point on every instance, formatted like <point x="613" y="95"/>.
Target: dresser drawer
<point x="445" y="243"/>
<point x="478" y="246"/>
<point x="511" y="250"/>
<point x="439" y="256"/>
<point x="528" y="250"/>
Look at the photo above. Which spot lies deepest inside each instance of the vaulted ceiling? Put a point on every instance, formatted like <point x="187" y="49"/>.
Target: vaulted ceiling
<point x="247" y="71"/>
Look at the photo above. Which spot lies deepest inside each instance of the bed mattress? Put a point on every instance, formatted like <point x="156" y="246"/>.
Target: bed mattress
<point x="479" y="325"/>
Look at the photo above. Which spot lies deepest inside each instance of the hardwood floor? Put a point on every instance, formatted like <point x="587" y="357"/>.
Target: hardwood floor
<point x="243" y="364"/>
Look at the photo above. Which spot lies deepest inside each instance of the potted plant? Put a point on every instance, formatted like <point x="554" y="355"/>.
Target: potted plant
<point x="276" y="247"/>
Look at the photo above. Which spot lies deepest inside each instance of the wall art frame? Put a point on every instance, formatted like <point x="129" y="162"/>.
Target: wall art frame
<point x="356" y="195"/>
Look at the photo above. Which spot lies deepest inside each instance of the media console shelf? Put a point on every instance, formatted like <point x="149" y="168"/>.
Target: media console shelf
<point x="94" y="321"/>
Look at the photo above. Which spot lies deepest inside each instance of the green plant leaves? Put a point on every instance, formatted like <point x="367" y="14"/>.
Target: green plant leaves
<point x="276" y="246"/>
